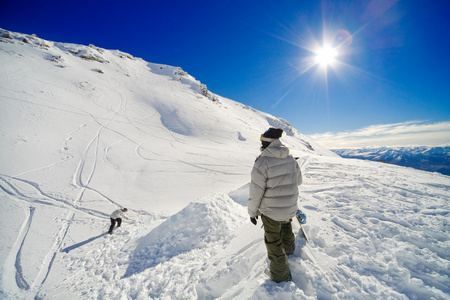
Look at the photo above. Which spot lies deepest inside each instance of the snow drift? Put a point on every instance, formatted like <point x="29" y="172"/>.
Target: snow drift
<point x="87" y="130"/>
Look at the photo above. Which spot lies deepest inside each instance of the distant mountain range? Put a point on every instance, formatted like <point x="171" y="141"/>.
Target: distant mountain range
<point x="433" y="159"/>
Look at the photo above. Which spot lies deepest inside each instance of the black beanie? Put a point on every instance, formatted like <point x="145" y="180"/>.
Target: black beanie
<point x="271" y="134"/>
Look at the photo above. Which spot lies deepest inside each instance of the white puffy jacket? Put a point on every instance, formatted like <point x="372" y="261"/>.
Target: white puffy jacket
<point x="274" y="187"/>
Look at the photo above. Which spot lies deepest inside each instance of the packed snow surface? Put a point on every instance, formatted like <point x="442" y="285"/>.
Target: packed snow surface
<point x="86" y="131"/>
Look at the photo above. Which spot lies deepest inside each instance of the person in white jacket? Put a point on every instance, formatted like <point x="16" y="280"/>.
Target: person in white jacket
<point x="117" y="216"/>
<point x="274" y="194"/>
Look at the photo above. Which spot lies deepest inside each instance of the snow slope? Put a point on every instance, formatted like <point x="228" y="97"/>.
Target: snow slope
<point x="86" y="130"/>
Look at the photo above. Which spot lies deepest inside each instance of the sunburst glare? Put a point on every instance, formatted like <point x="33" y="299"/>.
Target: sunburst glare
<point x="326" y="56"/>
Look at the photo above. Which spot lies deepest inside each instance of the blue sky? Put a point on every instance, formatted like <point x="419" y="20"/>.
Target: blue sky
<point x="391" y="66"/>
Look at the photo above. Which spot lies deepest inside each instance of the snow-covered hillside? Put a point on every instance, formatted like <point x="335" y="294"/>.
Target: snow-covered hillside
<point x="87" y="130"/>
<point x="433" y="159"/>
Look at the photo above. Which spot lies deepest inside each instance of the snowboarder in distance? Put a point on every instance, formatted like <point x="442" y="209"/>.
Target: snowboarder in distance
<point x="274" y="193"/>
<point x="117" y="216"/>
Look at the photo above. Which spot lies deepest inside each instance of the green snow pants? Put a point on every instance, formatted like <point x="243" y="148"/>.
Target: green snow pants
<point x="280" y="242"/>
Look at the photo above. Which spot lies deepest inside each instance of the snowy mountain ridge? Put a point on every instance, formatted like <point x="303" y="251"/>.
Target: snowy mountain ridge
<point x="87" y="130"/>
<point x="433" y="159"/>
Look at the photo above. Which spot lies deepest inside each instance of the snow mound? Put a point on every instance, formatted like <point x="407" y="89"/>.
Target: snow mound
<point x="205" y="221"/>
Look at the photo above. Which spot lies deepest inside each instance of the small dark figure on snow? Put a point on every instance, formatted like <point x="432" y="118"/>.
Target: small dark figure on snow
<point x="274" y="193"/>
<point x="117" y="216"/>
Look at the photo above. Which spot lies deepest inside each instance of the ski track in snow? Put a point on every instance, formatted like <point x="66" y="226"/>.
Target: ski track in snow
<point x="94" y="143"/>
<point x="73" y="206"/>
<point x="21" y="282"/>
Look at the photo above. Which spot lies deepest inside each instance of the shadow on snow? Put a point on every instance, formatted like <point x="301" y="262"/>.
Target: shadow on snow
<point x="80" y="244"/>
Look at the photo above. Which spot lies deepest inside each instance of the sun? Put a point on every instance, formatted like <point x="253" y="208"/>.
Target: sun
<point x="326" y="56"/>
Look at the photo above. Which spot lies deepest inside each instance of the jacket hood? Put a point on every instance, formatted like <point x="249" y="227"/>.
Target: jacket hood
<point x="276" y="149"/>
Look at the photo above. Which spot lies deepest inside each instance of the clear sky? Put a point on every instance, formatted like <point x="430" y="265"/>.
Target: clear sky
<point x="390" y="65"/>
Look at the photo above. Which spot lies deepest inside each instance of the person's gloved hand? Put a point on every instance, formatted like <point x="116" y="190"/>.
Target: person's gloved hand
<point x="253" y="220"/>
